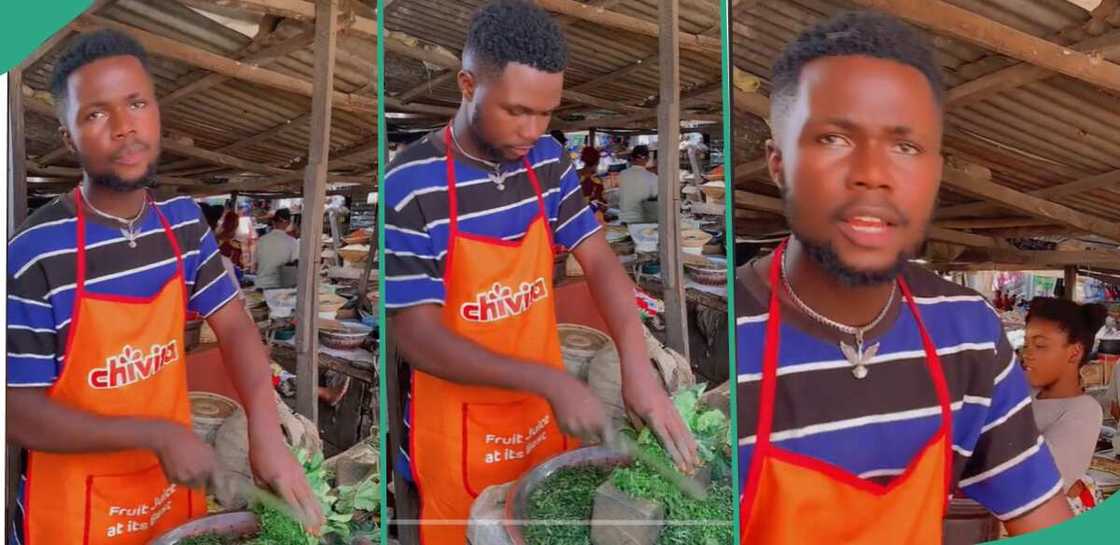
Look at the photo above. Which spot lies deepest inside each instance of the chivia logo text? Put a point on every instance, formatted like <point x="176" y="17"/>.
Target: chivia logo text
<point x="131" y="366"/>
<point x="501" y="302"/>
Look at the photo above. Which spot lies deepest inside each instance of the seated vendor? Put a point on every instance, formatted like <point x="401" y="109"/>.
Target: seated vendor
<point x="1059" y="338"/>
<point x="638" y="203"/>
<point x="275" y="250"/>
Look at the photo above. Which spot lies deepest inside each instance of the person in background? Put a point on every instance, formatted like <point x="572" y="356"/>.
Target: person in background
<point x="226" y="235"/>
<point x="639" y="189"/>
<point x="213" y="215"/>
<point x="274" y="250"/>
<point x="1059" y="337"/>
<point x="589" y="181"/>
<point x="560" y="137"/>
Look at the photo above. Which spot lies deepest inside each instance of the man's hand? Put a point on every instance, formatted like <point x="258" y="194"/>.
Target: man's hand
<point x="614" y="297"/>
<point x="274" y="466"/>
<point x="647" y="400"/>
<point x="185" y="458"/>
<point x="578" y="412"/>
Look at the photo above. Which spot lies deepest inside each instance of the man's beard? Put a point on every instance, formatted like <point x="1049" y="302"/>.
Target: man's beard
<point x="115" y="183"/>
<point x="825" y="255"/>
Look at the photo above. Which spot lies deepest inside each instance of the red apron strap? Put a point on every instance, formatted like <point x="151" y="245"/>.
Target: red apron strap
<point x="80" y="249"/>
<point x="452" y="195"/>
<point x="540" y="200"/>
<point x="768" y="387"/>
<point x="940" y="385"/>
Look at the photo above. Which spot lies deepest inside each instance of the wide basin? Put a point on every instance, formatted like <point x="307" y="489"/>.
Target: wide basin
<point x="234" y="523"/>
<point x="517" y="500"/>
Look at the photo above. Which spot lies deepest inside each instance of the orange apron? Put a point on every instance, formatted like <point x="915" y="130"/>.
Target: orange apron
<point x="466" y="438"/>
<point x="792" y="499"/>
<point x="124" y="357"/>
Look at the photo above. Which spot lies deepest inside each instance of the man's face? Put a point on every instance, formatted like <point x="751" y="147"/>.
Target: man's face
<point x="509" y="111"/>
<point x="858" y="158"/>
<point x="112" y="122"/>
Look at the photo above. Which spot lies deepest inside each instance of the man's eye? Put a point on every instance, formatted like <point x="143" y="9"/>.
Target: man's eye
<point x="908" y="148"/>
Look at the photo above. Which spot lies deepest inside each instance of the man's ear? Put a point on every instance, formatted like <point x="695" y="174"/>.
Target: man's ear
<point x="67" y="141"/>
<point x="774" y="165"/>
<point x="467" y="85"/>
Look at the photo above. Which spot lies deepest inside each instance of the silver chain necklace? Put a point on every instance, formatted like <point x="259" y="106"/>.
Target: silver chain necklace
<point x="129" y="232"/>
<point x="857" y="356"/>
<point x="496" y="177"/>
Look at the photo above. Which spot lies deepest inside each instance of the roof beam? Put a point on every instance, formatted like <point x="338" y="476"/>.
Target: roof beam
<point x="299" y="10"/>
<point x="611" y="19"/>
<point x="1076" y="187"/>
<point x="964" y="25"/>
<point x="166" y="47"/>
<point x="985" y="87"/>
<point x="966" y="179"/>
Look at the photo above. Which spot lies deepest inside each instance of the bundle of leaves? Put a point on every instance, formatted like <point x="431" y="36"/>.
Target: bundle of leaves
<point x="563" y="504"/>
<point x="348" y="509"/>
<point x="688" y="520"/>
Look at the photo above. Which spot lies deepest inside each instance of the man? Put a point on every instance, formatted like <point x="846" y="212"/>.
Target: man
<point x="99" y="283"/>
<point x="274" y="250"/>
<point x="638" y="199"/>
<point x="867" y="385"/>
<point x="473" y="211"/>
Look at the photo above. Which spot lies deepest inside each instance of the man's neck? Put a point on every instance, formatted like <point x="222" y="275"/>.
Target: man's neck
<point x="466" y="139"/>
<point x="828" y="295"/>
<point x="124" y="205"/>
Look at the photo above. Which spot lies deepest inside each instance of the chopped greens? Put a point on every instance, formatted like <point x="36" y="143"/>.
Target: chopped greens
<point x="565" y="496"/>
<point x="568" y="495"/>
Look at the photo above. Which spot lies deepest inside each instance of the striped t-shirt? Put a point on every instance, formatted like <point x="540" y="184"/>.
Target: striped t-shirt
<point x="417" y="218"/>
<point x="874" y="427"/>
<point x="417" y="212"/>
<point x="41" y="276"/>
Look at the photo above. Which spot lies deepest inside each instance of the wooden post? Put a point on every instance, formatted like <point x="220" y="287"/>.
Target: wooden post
<point x="668" y="177"/>
<point x="1070" y="293"/>
<point x="17" y="153"/>
<point x="314" y="196"/>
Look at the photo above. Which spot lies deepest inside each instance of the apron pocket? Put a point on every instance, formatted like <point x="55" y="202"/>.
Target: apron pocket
<point x="502" y="440"/>
<point x="133" y="508"/>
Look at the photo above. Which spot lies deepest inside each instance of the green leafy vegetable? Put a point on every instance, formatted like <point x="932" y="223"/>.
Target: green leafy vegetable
<point x="688" y="521"/>
<point x="564" y="498"/>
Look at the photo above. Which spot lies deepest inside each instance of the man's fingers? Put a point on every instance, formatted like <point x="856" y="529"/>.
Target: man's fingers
<point x="662" y="432"/>
<point x="685" y="441"/>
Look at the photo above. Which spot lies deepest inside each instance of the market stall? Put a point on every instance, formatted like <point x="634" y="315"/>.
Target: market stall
<point x="261" y="108"/>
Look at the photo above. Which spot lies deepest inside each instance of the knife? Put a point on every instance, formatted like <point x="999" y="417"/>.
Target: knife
<point x="624" y="444"/>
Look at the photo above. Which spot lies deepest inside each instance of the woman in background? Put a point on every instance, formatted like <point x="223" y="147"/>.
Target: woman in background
<point x="589" y="181"/>
<point x="1059" y="338"/>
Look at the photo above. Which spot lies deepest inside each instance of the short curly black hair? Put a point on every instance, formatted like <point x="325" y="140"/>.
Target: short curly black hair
<point x="867" y="33"/>
<point x="1080" y="322"/>
<point x="515" y="31"/>
<point x="86" y="49"/>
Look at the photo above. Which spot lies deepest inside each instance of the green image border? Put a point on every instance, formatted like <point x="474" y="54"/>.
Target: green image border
<point x="382" y="326"/>
<point x="729" y="241"/>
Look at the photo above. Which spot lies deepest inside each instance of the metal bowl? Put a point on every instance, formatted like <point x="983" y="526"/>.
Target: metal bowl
<point x="350" y="339"/>
<point x="517" y="500"/>
<point x="232" y="524"/>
